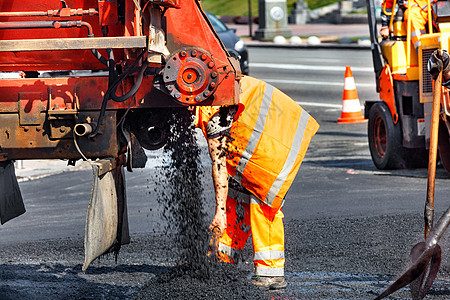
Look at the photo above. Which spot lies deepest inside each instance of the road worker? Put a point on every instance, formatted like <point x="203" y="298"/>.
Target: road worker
<point x="256" y="150"/>
<point x="418" y="14"/>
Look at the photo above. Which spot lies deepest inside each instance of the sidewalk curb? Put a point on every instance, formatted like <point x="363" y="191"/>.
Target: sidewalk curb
<point x="46" y="173"/>
<point x="303" y="46"/>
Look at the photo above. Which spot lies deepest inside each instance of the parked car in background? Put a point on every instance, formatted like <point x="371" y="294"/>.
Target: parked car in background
<point x="235" y="46"/>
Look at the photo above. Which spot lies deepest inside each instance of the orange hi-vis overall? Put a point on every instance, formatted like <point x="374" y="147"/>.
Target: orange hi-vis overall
<point x="269" y="140"/>
<point x="419" y="18"/>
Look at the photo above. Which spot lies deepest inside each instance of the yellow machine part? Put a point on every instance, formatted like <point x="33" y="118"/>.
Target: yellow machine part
<point x="399" y="28"/>
<point x="429" y="43"/>
<point x="395" y="54"/>
<point x="444" y="27"/>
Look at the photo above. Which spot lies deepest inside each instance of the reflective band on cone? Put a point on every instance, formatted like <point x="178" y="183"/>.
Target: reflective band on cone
<point x="351" y="108"/>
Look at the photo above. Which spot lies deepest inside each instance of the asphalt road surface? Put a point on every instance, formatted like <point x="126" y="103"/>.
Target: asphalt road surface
<point x="349" y="226"/>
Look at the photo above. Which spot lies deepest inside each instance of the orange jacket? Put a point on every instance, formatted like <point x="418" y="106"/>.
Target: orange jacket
<point x="269" y="140"/>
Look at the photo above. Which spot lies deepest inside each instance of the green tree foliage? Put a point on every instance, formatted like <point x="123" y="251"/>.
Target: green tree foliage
<point x="240" y="7"/>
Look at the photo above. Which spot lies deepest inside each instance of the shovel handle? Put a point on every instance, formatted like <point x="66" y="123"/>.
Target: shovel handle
<point x="429" y="203"/>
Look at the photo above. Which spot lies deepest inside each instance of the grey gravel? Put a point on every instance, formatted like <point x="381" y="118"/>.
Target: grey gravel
<point x="326" y="259"/>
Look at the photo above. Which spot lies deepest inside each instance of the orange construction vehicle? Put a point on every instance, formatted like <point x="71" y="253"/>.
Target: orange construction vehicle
<point x="400" y="121"/>
<point x="98" y="79"/>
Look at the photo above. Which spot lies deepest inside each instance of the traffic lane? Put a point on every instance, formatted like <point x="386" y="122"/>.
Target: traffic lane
<point x="55" y="208"/>
<point x="324" y="102"/>
<point x="56" y="205"/>
<point x="338" y="174"/>
<point x="312" y="74"/>
<point x="342" y="192"/>
<point x="321" y="57"/>
<point x="316" y="86"/>
<point x="321" y="245"/>
<point x="305" y="68"/>
<point x="314" y="83"/>
<point x="324" y="97"/>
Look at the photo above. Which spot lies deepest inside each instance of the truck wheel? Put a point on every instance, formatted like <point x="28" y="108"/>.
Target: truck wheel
<point x="385" y="139"/>
<point x="444" y="146"/>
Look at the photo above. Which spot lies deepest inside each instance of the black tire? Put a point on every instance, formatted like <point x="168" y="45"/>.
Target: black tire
<point x="444" y="146"/>
<point x="385" y="139"/>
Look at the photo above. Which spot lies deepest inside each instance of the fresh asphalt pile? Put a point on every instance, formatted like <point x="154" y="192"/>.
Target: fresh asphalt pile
<point x="223" y="282"/>
<point x="351" y="258"/>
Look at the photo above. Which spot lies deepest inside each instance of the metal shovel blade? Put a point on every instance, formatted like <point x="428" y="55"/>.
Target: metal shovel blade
<point x="101" y="218"/>
<point x="421" y="285"/>
<point x="428" y="261"/>
<point x="413" y="272"/>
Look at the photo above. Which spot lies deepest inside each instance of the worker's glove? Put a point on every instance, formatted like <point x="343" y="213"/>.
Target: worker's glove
<point x="439" y="61"/>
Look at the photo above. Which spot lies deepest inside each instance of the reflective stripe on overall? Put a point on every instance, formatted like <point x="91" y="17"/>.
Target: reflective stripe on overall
<point x="245" y="214"/>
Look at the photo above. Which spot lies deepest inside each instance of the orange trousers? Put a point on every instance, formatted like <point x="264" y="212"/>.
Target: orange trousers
<point x="246" y="214"/>
<point x="419" y="18"/>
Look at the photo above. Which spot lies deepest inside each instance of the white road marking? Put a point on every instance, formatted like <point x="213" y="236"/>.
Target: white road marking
<point x="320" y="60"/>
<point x="313" y="82"/>
<point x="308" y="67"/>
<point x="328" y="105"/>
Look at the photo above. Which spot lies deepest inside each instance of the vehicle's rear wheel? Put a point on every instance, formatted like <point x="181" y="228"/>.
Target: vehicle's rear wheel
<point x="385" y="139"/>
<point x="444" y="145"/>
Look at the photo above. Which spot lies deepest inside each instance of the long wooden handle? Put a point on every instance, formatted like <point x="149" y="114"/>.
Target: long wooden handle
<point x="429" y="203"/>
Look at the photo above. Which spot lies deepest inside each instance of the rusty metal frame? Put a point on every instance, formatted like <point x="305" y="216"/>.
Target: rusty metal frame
<point x="37" y="115"/>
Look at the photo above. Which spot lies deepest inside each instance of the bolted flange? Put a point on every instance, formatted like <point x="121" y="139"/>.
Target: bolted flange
<point x="190" y="75"/>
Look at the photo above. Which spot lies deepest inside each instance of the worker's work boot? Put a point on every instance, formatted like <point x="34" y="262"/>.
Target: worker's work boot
<point x="269" y="283"/>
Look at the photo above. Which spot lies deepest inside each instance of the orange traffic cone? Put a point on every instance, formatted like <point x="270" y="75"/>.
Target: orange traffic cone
<point x="351" y="109"/>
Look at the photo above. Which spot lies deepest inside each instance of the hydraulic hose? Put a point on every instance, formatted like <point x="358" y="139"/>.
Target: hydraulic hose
<point x="110" y="93"/>
<point x="99" y="57"/>
<point x="135" y="87"/>
<point x="98" y="54"/>
<point x="111" y="67"/>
